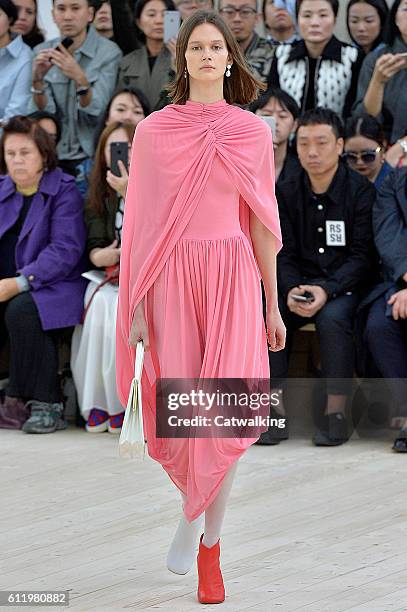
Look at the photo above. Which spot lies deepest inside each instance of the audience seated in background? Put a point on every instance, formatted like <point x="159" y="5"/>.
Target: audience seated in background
<point x="279" y="21"/>
<point x="75" y="83"/>
<point x="319" y="70"/>
<point x="127" y="105"/>
<point x="365" y="148"/>
<point x="52" y="125"/>
<point x="242" y="17"/>
<point x="103" y="21"/>
<point x="365" y="20"/>
<point x="327" y="253"/>
<point x="386" y="329"/>
<point x="283" y="108"/>
<point x="15" y="66"/>
<point x="26" y="23"/>
<point x="382" y="87"/>
<point x="93" y="361"/>
<point x="188" y="7"/>
<point x="327" y="244"/>
<point x="126" y="35"/>
<point x="148" y="68"/>
<point x="41" y="260"/>
<point x="124" y="30"/>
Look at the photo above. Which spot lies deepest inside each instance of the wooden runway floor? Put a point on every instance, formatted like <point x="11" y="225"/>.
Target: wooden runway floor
<point x="307" y="529"/>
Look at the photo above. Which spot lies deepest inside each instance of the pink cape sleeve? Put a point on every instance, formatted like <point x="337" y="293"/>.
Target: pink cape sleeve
<point x="249" y="158"/>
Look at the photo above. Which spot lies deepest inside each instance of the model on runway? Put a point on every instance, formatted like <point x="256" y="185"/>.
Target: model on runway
<point x="201" y="229"/>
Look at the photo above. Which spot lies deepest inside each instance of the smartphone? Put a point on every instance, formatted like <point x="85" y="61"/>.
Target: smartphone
<point x="271" y="122"/>
<point x="404" y="56"/>
<point x="172" y="22"/>
<point x="66" y="42"/>
<point x="306" y="297"/>
<point x="118" y="151"/>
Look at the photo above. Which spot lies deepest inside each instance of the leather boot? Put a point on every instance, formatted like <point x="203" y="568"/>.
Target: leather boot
<point x="210" y="582"/>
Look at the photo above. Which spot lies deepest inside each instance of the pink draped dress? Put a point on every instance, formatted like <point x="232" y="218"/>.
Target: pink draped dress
<point x="205" y="310"/>
<point x="196" y="172"/>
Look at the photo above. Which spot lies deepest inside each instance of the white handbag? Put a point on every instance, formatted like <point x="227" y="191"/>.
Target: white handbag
<point x="132" y="441"/>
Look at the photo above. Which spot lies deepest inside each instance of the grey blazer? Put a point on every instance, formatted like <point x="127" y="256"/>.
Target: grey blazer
<point x="134" y="71"/>
<point x="390" y="232"/>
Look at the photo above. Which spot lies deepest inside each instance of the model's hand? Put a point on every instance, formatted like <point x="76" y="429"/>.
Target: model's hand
<point x="118" y="183"/>
<point x="139" y="329"/>
<point x="109" y="256"/>
<point x="8" y="289"/>
<point x="399" y="302"/>
<point x="276" y="331"/>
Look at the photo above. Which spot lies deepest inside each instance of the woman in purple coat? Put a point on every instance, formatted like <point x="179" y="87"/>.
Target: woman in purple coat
<point x="42" y="243"/>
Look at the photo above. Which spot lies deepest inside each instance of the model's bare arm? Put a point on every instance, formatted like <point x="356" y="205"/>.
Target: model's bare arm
<point x="264" y="246"/>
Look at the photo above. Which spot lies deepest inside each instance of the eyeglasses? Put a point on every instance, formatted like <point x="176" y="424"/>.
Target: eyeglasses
<point x="367" y="157"/>
<point x="244" y="12"/>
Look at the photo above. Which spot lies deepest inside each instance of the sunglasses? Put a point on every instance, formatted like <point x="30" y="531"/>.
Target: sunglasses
<point x="367" y="157"/>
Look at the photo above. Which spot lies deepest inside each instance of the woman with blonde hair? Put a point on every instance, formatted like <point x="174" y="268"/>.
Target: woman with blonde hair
<point x="201" y="230"/>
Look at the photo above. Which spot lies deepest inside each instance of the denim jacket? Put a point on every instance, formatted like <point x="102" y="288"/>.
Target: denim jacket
<point x="99" y="58"/>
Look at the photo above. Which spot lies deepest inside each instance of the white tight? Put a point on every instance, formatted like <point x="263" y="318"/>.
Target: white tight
<point x="181" y="554"/>
<point x="215" y="513"/>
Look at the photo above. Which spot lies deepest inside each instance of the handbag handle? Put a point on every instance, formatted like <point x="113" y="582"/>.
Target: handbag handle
<point x="138" y="364"/>
<point x="112" y="274"/>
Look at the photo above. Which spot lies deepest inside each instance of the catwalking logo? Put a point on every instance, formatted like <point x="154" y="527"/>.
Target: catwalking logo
<point x="226" y="408"/>
<point x="222" y="421"/>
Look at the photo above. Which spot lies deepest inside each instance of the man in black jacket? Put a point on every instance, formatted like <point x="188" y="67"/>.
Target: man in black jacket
<point x="326" y="258"/>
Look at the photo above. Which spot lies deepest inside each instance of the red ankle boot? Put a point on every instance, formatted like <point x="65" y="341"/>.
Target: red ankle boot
<point x="210" y="582"/>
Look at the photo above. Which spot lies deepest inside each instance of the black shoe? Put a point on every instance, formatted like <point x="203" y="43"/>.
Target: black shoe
<point x="266" y="439"/>
<point x="274" y="434"/>
<point x="400" y="443"/>
<point x="279" y="433"/>
<point x="334" y="432"/>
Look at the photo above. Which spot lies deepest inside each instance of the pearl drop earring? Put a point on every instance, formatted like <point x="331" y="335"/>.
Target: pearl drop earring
<point x="185" y="73"/>
<point x="229" y="66"/>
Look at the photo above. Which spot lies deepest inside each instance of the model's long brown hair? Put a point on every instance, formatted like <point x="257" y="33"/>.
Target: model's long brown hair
<point x="240" y="88"/>
<point x="99" y="189"/>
